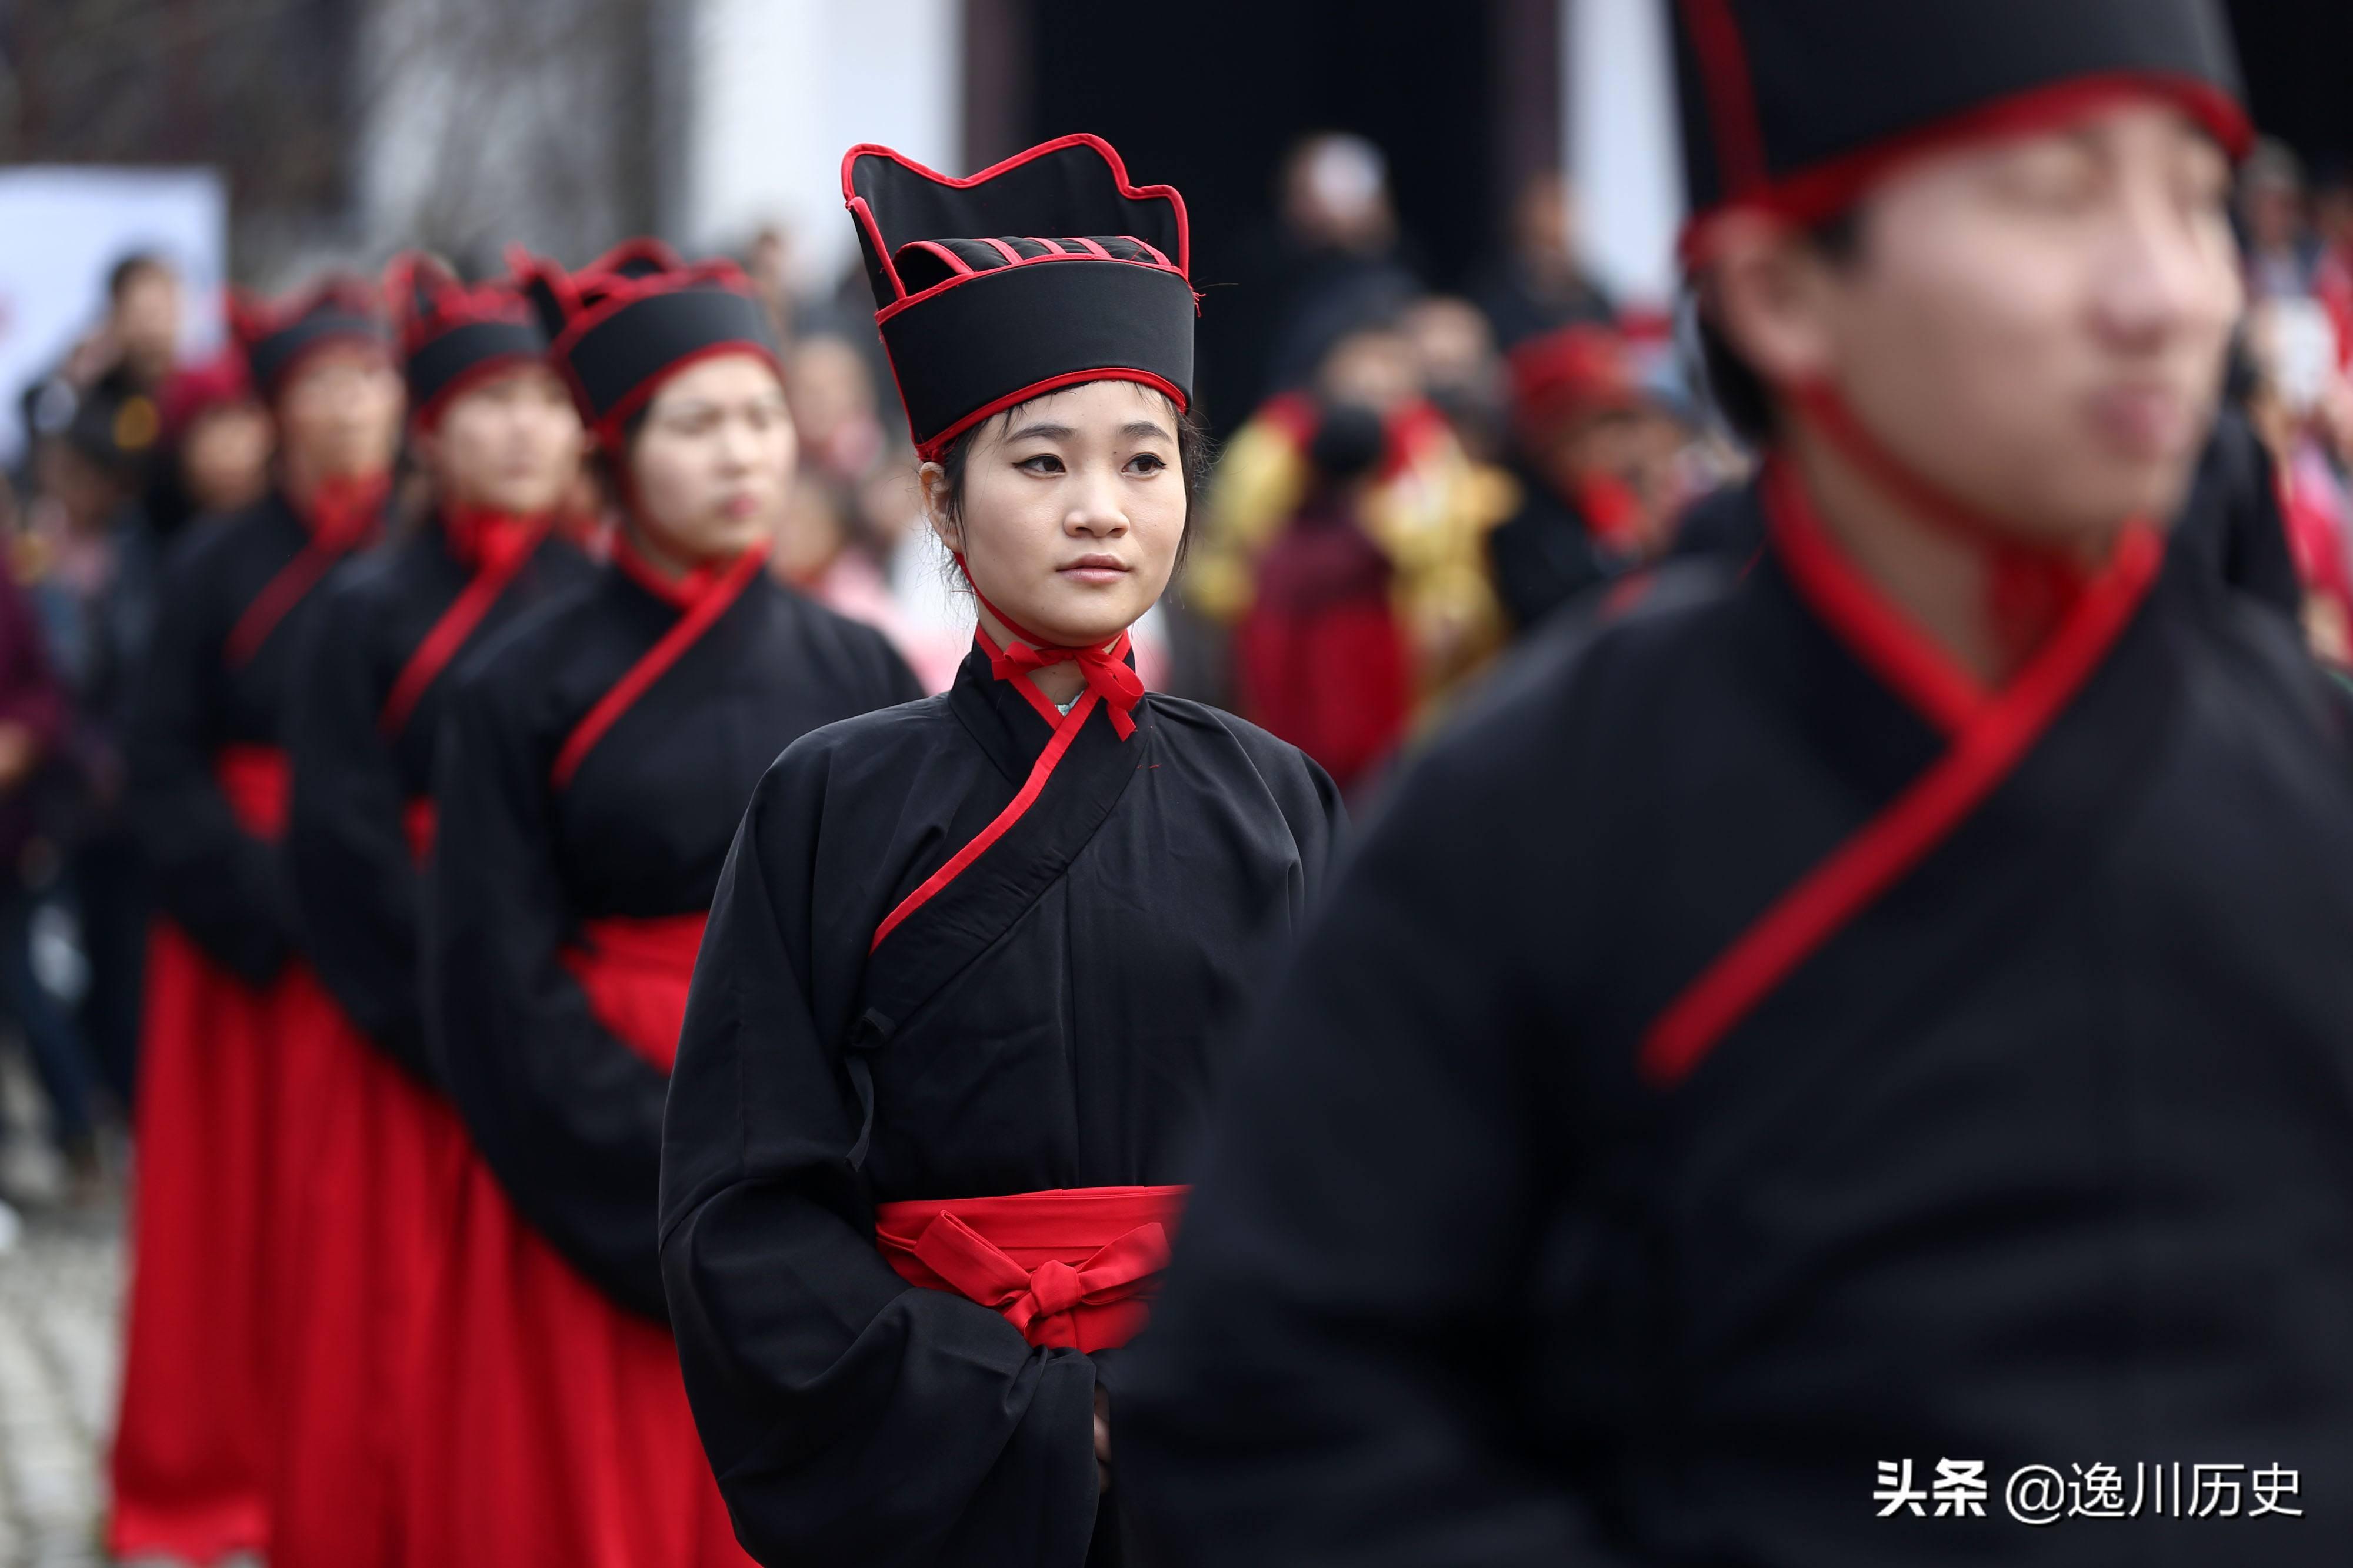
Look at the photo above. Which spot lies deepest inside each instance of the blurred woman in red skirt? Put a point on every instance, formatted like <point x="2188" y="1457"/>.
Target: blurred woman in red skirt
<point x="591" y="770"/>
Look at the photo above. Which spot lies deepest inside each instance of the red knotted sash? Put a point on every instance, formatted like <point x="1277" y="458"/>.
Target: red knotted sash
<point x="1071" y="1268"/>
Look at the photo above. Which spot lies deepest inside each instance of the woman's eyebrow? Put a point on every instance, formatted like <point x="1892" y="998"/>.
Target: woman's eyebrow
<point x="1137" y="430"/>
<point x="1047" y="431"/>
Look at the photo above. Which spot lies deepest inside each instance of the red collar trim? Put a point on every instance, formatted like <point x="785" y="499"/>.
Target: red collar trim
<point x="1913" y="665"/>
<point x="679" y="592"/>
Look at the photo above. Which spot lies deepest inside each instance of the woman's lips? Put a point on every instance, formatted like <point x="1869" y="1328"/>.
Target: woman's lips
<point x="2143" y="421"/>
<point x="1094" y="569"/>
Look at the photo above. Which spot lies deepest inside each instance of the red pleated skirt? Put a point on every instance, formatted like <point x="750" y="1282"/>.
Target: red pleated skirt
<point x="371" y="1233"/>
<point x="228" y="1089"/>
<point x="553" y="1429"/>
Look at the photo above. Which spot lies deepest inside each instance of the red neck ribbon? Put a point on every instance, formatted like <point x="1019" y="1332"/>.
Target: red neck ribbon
<point x="1106" y="671"/>
<point x="2030" y="588"/>
<point x="489" y="542"/>
<point x="345" y="511"/>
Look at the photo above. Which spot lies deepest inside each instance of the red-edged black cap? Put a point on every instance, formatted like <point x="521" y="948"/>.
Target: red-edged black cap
<point x="633" y="318"/>
<point x="452" y="336"/>
<point x="974" y="324"/>
<point x="1795" y="105"/>
<point x="277" y="335"/>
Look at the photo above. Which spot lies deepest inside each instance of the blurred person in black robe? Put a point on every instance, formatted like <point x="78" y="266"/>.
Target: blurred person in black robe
<point x="592" y="764"/>
<point x="962" y="1004"/>
<point x="1831" y="1038"/>
<point x="1539" y="284"/>
<point x="1576" y="408"/>
<point x="499" y="445"/>
<point x="94" y="580"/>
<point x="233" y="1018"/>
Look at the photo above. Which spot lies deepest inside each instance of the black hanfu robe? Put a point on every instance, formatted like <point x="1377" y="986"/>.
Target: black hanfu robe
<point x="392" y="1154"/>
<point x="235" y="1027"/>
<point x="1756" y="1079"/>
<point x="591" y="769"/>
<point x="1050" y="1015"/>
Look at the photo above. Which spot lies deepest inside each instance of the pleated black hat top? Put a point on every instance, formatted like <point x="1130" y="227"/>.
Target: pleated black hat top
<point x="1794" y="106"/>
<point x="278" y="334"/>
<point x="1043" y="272"/>
<point x="634" y="317"/>
<point x="453" y="336"/>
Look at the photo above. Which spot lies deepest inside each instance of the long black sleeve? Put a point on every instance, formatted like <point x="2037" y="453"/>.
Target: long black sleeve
<point x="568" y="1116"/>
<point x="852" y="1419"/>
<point x="354" y="874"/>
<point x="225" y="887"/>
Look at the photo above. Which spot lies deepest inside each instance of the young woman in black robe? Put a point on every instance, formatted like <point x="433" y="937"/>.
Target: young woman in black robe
<point x="961" y="1006"/>
<point x="236" y="1026"/>
<point x="496" y="433"/>
<point x="591" y="767"/>
<point x="1848" y="1059"/>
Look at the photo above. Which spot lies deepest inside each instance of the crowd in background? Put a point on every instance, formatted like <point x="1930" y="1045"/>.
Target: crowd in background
<point x="1409" y="479"/>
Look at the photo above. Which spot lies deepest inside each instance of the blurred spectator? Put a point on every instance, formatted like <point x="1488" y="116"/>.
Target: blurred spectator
<point x="217" y="439"/>
<point x="1319" y="657"/>
<point x="1539" y="284"/>
<point x="34" y="725"/>
<point x="122" y="365"/>
<point x="1577" y="422"/>
<point x="2332" y="222"/>
<point x="93" y="559"/>
<point x="767" y="262"/>
<point x="2283" y="253"/>
<point x="1460" y="372"/>
<point x="2302" y="407"/>
<point x="1429" y="509"/>
<point x="1333" y="262"/>
<point x="834" y="408"/>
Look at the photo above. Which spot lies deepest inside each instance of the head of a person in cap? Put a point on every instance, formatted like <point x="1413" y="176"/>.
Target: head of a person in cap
<point x="143" y="317"/>
<point x="673" y="369"/>
<point x="322" y="362"/>
<point x="490" y="420"/>
<point x="1980" y="250"/>
<point x="218" y="432"/>
<point x="1040" y="324"/>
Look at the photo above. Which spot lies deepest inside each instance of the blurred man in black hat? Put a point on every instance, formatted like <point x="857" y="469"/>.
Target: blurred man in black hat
<point x="1846" y="1061"/>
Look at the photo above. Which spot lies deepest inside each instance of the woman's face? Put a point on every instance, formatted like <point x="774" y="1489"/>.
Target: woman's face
<point x="1073" y="507"/>
<point x="224" y="456"/>
<point x="713" y="462"/>
<point x="339" y="412"/>
<point x="510" y="443"/>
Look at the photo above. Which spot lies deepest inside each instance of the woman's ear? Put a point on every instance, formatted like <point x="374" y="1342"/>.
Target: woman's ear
<point x="932" y="479"/>
<point x="1768" y="291"/>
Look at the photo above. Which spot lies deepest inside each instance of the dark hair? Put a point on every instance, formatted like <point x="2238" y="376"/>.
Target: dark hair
<point x="1348" y="443"/>
<point x="1195" y="454"/>
<point x="1738" y="393"/>
<point x="129" y="268"/>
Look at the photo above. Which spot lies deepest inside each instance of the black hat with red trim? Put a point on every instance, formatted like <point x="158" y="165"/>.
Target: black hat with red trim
<point x="985" y="299"/>
<point x="278" y="335"/>
<point x="1794" y="106"/>
<point x="452" y="336"/>
<point x="633" y="318"/>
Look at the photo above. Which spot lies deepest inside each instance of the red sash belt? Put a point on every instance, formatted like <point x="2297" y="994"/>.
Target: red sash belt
<point x="636" y="972"/>
<point x="418" y="822"/>
<point x="1071" y="1268"/>
<point x="258" y="785"/>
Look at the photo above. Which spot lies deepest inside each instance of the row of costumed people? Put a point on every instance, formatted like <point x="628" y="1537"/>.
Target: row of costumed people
<point x="442" y="803"/>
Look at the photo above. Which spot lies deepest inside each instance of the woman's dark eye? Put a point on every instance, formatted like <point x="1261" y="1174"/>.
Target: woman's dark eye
<point x="1043" y="463"/>
<point x="1148" y="462"/>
